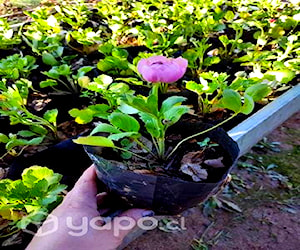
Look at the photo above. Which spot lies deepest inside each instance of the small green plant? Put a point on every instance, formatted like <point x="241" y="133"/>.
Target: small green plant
<point x="63" y="75"/>
<point x="87" y="114"/>
<point x="17" y="66"/>
<point x="76" y="14"/>
<point x="8" y="38"/>
<point x="196" y="56"/>
<point x="21" y="140"/>
<point x="209" y="90"/>
<point x="29" y="199"/>
<point x="13" y="101"/>
<point x="155" y="120"/>
<point x="115" y="61"/>
<point x="214" y="92"/>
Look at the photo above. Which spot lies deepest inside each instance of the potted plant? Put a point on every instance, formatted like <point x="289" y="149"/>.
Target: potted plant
<point x="155" y="152"/>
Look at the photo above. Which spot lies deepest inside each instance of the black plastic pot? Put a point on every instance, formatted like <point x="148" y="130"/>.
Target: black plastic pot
<point x="66" y="158"/>
<point x="164" y="194"/>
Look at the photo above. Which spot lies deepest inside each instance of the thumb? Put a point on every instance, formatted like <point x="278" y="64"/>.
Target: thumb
<point x="84" y="192"/>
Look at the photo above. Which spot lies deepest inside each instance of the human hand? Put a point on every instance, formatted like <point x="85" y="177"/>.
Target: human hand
<point x="77" y="222"/>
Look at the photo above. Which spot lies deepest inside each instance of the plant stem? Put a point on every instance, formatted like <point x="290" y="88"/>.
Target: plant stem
<point x="155" y="144"/>
<point x="41" y="121"/>
<point x="200" y="133"/>
<point x="163" y="87"/>
<point x="144" y="147"/>
<point x="9" y="234"/>
<point x="66" y="85"/>
<point x="161" y="147"/>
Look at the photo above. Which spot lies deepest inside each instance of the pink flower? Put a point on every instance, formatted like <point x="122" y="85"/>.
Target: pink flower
<point x="162" y="69"/>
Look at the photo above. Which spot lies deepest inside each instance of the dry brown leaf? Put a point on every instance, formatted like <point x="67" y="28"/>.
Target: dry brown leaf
<point x="13" y="240"/>
<point x="3" y="223"/>
<point x="193" y="157"/>
<point x="195" y="171"/>
<point x="215" y="163"/>
<point x="3" y="173"/>
<point x="142" y="171"/>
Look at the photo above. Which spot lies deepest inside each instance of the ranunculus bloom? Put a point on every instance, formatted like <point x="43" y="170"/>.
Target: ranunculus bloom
<point x="162" y="69"/>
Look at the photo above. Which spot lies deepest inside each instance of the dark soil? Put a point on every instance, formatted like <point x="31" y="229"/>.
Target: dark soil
<point x="268" y="200"/>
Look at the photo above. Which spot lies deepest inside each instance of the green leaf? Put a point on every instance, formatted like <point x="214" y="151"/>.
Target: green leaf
<point x="231" y="100"/>
<point x="86" y="115"/>
<point x="83" y="70"/>
<point x="195" y="87"/>
<point x="82" y="116"/>
<point x="126" y="155"/>
<point x="174" y="114"/>
<point x="38" y="129"/>
<point x="248" y="105"/>
<point x="49" y="59"/>
<point x="48" y="83"/>
<point x="204" y="143"/>
<point x="26" y="133"/>
<point x="151" y="124"/>
<point x="116" y="137"/>
<point x="51" y="115"/>
<point x="229" y="15"/>
<point x="104" y="65"/>
<point x="35" y="141"/>
<point x="125" y="108"/>
<point x="3" y="138"/>
<point x="104" y="79"/>
<point x="37" y="216"/>
<point x="57" y="71"/>
<point x="105" y="128"/>
<point x="131" y="80"/>
<point x="191" y="55"/>
<point x="32" y="198"/>
<point x="95" y="141"/>
<point x="121" y="53"/>
<point x="32" y="175"/>
<point x="208" y="61"/>
<point x="15" y="143"/>
<point x="224" y="39"/>
<point x="258" y="91"/>
<point x="106" y="48"/>
<point x="282" y="76"/>
<point x="171" y="102"/>
<point x="124" y="122"/>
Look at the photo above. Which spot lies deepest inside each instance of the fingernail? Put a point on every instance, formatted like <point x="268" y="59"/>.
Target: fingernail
<point x="148" y="213"/>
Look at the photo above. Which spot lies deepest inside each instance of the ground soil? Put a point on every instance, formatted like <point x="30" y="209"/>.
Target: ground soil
<point x="268" y="199"/>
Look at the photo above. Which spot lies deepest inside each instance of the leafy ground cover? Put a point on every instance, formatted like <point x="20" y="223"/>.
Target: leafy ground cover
<point x="259" y="209"/>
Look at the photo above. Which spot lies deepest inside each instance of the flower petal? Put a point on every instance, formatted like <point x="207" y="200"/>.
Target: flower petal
<point x="154" y="59"/>
<point x="141" y="66"/>
<point x="182" y="62"/>
<point x="150" y="75"/>
<point x="171" y="73"/>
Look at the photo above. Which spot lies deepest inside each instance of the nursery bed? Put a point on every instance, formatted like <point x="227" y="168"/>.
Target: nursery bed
<point x="255" y="127"/>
